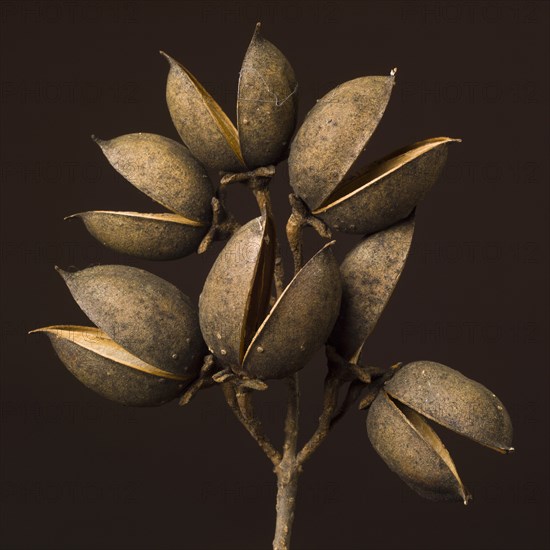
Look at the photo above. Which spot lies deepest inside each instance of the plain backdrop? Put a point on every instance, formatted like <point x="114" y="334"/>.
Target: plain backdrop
<point x="81" y="473"/>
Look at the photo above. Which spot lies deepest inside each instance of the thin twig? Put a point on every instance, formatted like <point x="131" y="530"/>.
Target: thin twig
<point x="292" y="416"/>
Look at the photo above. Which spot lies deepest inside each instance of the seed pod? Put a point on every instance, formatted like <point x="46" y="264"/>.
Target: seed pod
<point x="111" y="371"/>
<point x="333" y="135"/>
<point x="410" y="447"/>
<point x="234" y="303"/>
<point x="267" y="103"/>
<point x="369" y="274"/>
<point x="165" y="171"/>
<point x="449" y="398"/>
<point x="163" y="236"/>
<point x="144" y="314"/>
<point x="387" y="191"/>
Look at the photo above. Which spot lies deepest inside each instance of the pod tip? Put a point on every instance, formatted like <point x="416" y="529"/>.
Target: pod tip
<point x="393" y="72"/>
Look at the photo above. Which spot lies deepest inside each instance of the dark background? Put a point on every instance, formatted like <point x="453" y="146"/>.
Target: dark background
<point x="81" y="473"/>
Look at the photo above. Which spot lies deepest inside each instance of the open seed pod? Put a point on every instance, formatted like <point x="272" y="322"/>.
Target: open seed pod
<point x="233" y="307"/>
<point x="387" y="191"/>
<point x="334" y="134"/>
<point x="147" y="345"/>
<point x="398" y="428"/>
<point x="266" y="111"/>
<point x="369" y="274"/>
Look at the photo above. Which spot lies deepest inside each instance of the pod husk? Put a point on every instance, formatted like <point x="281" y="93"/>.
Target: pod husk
<point x="165" y="171"/>
<point x="333" y="135"/>
<point x="200" y="121"/>
<point x="449" y="398"/>
<point x="387" y="191"/>
<point x="229" y="311"/>
<point x="299" y="322"/>
<point x="411" y="449"/>
<point x="267" y="103"/>
<point x="369" y="274"/>
<point x="162" y="236"/>
<point x="141" y="312"/>
<point x="108" y="369"/>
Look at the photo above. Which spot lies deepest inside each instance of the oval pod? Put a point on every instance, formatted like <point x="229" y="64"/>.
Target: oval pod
<point x="200" y="121"/>
<point x="146" y="315"/>
<point x="266" y="104"/>
<point x="164" y="236"/>
<point x="369" y="274"/>
<point x="412" y="450"/>
<point x="165" y="171"/>
<point x="108" y="369"/>
<point x="333" y="135"/>
<point x="387" y="191"/>
<point x="299" y="322"/>
<point x="449" y="398"/>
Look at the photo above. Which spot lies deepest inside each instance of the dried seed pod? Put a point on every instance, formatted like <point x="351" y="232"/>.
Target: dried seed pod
<point x="333" y="135"/>
<point x="267" y="103"/>
<point x="111" y="371"/>
<point x="410" y="447"/>
<point x="143" y="313"/>
<point x="369" y="275"/>
<point x="165" y="171"/>
<point x="234" y="303"/>
<point x="387" y="191"/>
<point x="449" y="398"/>
<point x="162" y="236"/>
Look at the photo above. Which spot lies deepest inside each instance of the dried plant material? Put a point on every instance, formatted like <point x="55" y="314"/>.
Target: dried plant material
<point x="163" y="236"/>
<point x="413" y="451"/>
<point x="165" y="171"/>
<point x="449" y="398"/>
<point x="110" y="370"/>
<point x="334" y="134"/>
<point x="387" y="191"/>
<point x="369" y="274"/>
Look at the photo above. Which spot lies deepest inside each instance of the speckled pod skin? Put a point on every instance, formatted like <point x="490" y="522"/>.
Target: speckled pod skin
<point x="267" y="103"/>
<point x="333" y="135"/>
<point x="413" y="451"/>
<point x="369" y="274"/>
<point x="299" y="322"/>
<point x="449" y="398"/>
<point x="165" y="171"/>
<point x="108" y="377"/>
<point x="146" y="315"/>
<point x="389" y="193"/>
<point x="149" y="236"/>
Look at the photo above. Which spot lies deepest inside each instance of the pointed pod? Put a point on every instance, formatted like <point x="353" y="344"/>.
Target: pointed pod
<point x="267" y="103"/>
<point x="299" y="322"/>
<point x="449" y="398"/>
<point x="369" y="274"/>
<point x="162" y="236"/>
<point x="200" y="121"/>
<point x="111" y="371"/>
<point x="411" y="449"/>
<point x="387" y="191"/>
<point x="164" y="170"/>
<point x="333" y="135"/>
<point x="146" y="315"/>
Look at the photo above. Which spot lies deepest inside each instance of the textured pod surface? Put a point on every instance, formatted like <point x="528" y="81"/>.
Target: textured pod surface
<point x="143" y="313"/>
<point x="387" y="191"/>
<point x="299" y="322"/>
<point x="454" y="401"/>
<point x="412" y="450"/>
<point x="333" y="135"/>
<point x="227" y="294"/>
<point x="267" y="103"/>
<point x="109" y="370"/>
<point x="200" y="121"/>
<point x="369" y="273"/>
<point x="149" y="236"/>
<point x="165" y="171"/>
